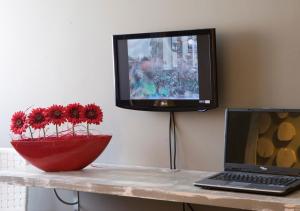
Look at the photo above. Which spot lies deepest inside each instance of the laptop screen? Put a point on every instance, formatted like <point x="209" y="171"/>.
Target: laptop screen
<point x="263" y="137"/>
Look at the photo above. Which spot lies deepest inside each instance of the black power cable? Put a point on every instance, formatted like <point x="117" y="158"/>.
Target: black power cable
<point x="175" y="144"/>
<point x="189" y="206"/>
<point x="68" y="203"/>
<point x="172" y="142"/>
<point x="173" y="150"/>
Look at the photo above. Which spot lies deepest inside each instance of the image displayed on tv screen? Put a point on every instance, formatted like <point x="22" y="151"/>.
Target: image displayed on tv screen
<point x="163" y="68"/>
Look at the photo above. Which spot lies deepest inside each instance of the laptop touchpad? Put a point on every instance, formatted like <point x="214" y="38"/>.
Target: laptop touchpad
<point x="240" y="184"/>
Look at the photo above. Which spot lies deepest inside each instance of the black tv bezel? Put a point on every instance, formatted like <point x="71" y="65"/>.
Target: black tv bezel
<point x="264" y="169"/>
<point x="174" y="105"/>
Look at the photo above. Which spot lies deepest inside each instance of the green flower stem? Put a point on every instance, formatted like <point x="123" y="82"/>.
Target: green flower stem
<point x="31" y="134"/>
<point x="44" y="132"/>
<point x="56" y="127"/>
<point x="73" y="129"/>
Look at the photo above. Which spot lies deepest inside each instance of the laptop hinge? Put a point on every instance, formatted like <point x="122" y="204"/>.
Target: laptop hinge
<point x="232" y="169"/>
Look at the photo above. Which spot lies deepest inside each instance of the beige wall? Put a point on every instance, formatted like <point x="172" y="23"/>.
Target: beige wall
<point x="59" y="51"/>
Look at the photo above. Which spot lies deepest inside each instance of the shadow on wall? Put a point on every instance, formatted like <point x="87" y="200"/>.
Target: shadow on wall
<point x="242" y="75"/>
<point x="93" y="202"/>
<point x="112" y="203"/>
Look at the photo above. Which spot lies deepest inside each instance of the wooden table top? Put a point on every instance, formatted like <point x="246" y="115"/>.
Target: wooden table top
<point x="149" y="183"/>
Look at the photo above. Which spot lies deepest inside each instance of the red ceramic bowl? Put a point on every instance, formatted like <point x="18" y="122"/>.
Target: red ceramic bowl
<point x="67" y="153"/>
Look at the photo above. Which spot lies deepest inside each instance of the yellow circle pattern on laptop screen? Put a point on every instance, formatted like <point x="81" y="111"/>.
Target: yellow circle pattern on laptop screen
<point x="277" y="139"/>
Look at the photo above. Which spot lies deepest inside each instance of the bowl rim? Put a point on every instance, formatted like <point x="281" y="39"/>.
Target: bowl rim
<point x="67" y="139"/>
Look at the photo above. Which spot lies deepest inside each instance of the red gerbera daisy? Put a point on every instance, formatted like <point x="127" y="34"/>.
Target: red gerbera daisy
<point x="18" y="123"/>
<point x="92" y="114"/>
<point x="55" y="114"/>
<point x="37" y="118"/>
<point x="74" y="113"/>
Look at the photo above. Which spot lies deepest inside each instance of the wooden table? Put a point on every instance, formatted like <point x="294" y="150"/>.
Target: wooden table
<point x="148" y="183"/>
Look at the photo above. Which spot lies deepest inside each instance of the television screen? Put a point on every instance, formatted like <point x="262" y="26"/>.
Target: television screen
<point x="166" y="71"/>
<point x="155" y="69"/>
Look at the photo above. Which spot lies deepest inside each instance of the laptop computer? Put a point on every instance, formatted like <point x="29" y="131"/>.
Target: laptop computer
<point x="262" y="152"/>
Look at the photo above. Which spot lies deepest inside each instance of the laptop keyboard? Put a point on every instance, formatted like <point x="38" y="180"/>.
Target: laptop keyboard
<point x="255" y="178"/>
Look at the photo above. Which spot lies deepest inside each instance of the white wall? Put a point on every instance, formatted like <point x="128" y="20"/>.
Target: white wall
<point x="59" y="51"/>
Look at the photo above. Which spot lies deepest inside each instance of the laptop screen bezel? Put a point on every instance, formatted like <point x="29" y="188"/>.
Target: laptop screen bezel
<point x="265" y="169"/>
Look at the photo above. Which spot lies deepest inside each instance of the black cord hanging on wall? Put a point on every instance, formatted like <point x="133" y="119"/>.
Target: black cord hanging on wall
<point x="173" y="150"/>
<point x="68" y="203"/>
<point x="172" y="141"/>
<point x="189" y="206"/>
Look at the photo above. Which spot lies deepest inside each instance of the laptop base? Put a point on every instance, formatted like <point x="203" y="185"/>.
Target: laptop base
<point x="248" y="187"/>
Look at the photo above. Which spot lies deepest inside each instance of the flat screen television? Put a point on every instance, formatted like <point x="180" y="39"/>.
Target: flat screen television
<point x="166" y="71"/>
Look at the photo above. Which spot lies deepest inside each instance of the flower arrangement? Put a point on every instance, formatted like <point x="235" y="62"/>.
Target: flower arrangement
<point x="39" y="120"/>
<point x="59" y="138"/>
